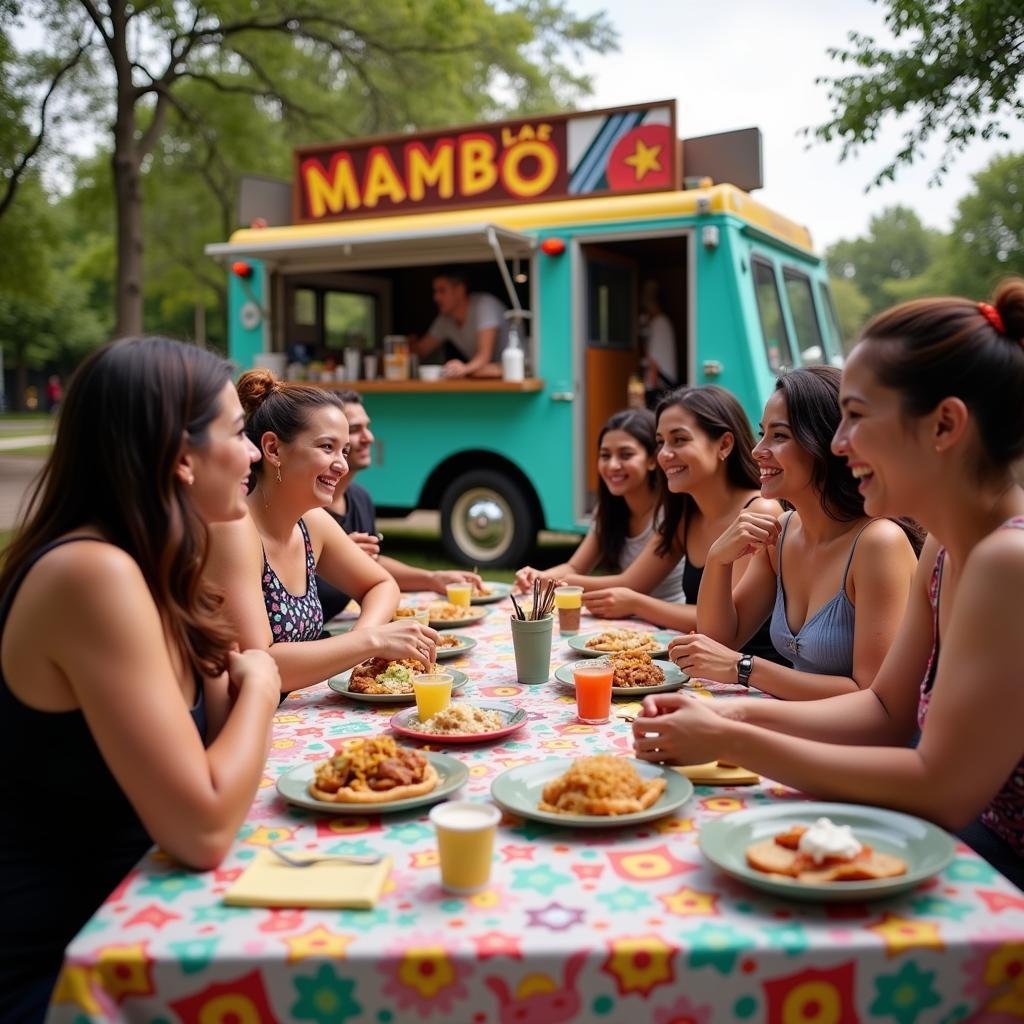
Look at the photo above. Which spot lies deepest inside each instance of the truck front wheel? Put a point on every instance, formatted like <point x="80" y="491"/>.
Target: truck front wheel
<point x="487" y="520"/>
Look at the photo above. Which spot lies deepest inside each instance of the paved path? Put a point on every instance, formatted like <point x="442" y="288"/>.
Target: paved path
<point x="10" y="444"/>
<point x="16" y="474"/>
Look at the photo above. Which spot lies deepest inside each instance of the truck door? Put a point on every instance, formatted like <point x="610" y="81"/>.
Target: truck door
<point x="610" y="344"/>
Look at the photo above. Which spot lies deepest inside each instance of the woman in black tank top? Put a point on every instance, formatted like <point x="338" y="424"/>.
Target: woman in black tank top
<point x="107" y="567"/>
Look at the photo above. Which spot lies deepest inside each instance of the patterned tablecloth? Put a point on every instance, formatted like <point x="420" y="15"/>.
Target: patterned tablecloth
<point x="627" y="925"/>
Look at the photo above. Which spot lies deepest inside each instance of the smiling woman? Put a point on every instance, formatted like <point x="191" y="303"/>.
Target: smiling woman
<point x="267" y="563"/>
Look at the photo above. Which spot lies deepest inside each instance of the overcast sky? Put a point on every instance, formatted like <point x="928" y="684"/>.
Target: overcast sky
<point x="743" y="63"/>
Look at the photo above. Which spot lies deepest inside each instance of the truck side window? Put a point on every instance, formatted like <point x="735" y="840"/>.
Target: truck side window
<point x="805" y="318"/>
<point x="769" y="307"/>
<point x="349" y="316"/>
<point x="832" y="318"/>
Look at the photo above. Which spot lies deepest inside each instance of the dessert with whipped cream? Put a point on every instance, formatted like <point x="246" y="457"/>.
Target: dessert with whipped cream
<point x="822" y="852"/>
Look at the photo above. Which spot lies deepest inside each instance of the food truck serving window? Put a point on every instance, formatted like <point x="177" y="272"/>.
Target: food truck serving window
<point x="769" y="308"/>
<point x="805" y="319"/>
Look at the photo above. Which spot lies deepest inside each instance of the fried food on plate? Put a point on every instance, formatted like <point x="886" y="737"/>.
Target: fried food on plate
<point x="614" y="640"/>
<point x="482" y="590"/>
<point x="601" y="785"/>
<point x="444" y="611"/>
<point x="378" y="675"/>
<point x="825" y="852"/>
<point x="635" y="669"/>
<point x="373" y="771"/>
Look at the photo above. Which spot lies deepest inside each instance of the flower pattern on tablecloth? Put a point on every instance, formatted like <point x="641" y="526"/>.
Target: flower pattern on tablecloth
<point x="618" y="926"/>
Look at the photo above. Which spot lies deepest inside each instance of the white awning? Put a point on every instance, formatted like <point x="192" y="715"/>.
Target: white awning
<point x="352" y="251"/>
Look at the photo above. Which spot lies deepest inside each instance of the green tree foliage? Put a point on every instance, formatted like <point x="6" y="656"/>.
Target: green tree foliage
<point x="852" y="309"/>
<point x="897" y="247"/>
<point x="955" y="75"/>
<point x="987" y="240"/>
<point x="315" y="68"/>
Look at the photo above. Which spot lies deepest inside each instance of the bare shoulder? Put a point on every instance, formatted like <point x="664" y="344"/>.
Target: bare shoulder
<point x="882" y="538"/>
<point x="89" y="565"/>
<point x="765" y="507"/>
<point x="235" y="544"/>
<point x="998" y="557"/>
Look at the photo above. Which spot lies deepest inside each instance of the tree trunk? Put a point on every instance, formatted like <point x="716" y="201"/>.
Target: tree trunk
<point x="127" y="167"/>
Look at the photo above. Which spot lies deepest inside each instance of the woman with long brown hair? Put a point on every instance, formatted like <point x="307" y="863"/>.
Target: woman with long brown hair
<point x="136" y="718"/>
<point x="932" y="427"/>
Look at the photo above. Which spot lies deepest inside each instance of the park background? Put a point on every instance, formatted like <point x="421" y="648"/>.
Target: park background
<point x="894" y="130"/>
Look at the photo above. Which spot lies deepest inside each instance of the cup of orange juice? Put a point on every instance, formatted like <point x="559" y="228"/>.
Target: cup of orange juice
<point x="433" y="693"/>
<point x="459" y="593"/>
<point x="593" y="680"/>
<point x="569" y="602"/>
<point x="465" y="843"/>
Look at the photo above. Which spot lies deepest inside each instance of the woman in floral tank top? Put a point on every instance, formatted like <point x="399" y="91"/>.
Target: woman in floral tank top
<point x="933" y="422"/>
<point x="267" y="563"/>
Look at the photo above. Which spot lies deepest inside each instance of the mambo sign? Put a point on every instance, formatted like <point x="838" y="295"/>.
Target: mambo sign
<point x="628" y="149"/>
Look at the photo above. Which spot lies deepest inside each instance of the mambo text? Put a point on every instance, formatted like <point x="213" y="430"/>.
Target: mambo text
<point x="523" y="163"/>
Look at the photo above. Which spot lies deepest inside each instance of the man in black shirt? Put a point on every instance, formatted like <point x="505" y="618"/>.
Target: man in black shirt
<point x="354" y="509"/>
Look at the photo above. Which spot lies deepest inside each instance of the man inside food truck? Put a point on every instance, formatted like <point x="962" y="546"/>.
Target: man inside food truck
<point x="354" y="509"/>
<point x="472" y="326"/>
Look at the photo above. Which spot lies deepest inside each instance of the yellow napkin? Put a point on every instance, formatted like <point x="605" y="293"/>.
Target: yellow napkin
<point x="267" y="882"/>
<point x="715" y="774"/>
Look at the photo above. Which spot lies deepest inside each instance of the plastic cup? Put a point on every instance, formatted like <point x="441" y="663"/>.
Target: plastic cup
<point x="433" y="693"/>
<point x="465" y="843"/>
<point x="459" y="593"/>
<point x="420" y="615"/>
<point x="569" y="602"/>
<point x="370" y="367"/>
<point x="593" y="690"/>
<point x="352" y="357"/>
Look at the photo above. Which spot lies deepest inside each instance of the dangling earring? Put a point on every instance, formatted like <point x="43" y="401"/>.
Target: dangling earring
<point x="279" y="472"/>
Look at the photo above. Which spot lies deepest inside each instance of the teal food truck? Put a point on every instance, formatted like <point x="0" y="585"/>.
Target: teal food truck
<point x="566" y="219"/>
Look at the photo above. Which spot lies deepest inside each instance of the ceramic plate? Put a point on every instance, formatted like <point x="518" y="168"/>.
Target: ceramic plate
<point x="339" y="684"/>
<point x="519" y="790"/>
<point x="294" y="787"/>
<point x="579" y="643"/>
<point x="473" y="615"/>
<point x="674" y="679"/>
<point x="926" y="848"/>
<point x="406" y="723"/>
<point x="466" y="644"/>
<point x="499" y="591"/>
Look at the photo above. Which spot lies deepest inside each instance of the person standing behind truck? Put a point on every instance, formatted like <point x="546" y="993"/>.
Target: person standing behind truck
<point x="353" y="508"/>
<point x="473" y="323"/>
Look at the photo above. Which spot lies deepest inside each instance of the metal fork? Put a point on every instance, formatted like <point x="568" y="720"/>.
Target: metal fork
<point x="342" y="858"/>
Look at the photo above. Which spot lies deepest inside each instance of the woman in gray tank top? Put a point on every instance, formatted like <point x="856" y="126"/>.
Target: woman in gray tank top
<point x="834" y="580"/>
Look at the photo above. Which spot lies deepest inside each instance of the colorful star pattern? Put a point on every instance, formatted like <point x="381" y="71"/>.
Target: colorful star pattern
<point x="318" y="942"/>
<point x="902" y="933"/>
<point x="639" y="964"/>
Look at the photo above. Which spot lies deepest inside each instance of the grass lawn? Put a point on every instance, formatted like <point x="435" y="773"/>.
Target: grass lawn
<point x="32" y="451"/>
<point x="24" y="417"/>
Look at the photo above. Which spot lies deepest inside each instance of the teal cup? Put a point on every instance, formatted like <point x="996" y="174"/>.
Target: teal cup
<point x="531" y="641"/>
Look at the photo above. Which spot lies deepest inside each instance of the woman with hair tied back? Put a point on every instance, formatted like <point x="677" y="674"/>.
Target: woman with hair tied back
<point x="627" y="494"/>
<point x="932" y="425"/>
<point x="833" y="580"/>
<point x="137" y="717"/>
<point x="267" y="563"/>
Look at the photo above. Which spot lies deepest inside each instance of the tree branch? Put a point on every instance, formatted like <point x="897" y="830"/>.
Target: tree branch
<point x="26" y="158"/>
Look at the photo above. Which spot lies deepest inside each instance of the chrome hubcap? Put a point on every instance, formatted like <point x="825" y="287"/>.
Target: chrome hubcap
<point x="482" y="523"/>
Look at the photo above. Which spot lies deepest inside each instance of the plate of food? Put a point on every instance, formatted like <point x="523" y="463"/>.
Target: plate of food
<point x="490" y="591"/>
<point x="451" y="645"/>
<point x="614" y="641"/>
<point x="602" y="791"/>
<point x="379" y="681"/>
<point x="461" y="723"/>
<point x="372" y="775"/>
<point x="445" y="615"/>
<point x="636" y="674"/>
<point x="826" y="851"/>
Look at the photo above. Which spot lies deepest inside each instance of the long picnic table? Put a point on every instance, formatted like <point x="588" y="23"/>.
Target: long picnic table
<point x="613" y="925"/>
